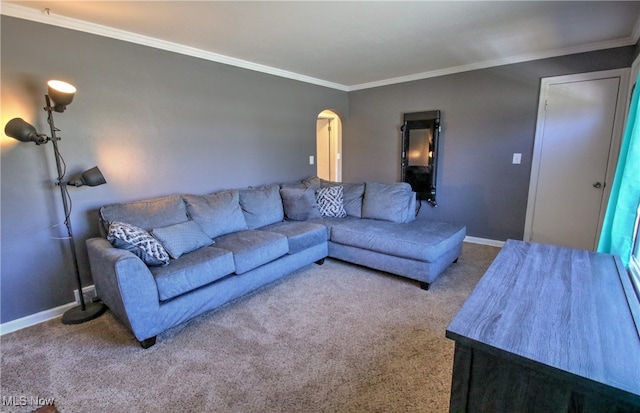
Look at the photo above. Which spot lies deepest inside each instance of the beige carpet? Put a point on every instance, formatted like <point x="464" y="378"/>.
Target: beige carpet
<point x="330" y="338"/>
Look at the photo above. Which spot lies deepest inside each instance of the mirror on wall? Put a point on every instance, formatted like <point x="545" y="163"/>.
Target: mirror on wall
<point x="419" y="164"/>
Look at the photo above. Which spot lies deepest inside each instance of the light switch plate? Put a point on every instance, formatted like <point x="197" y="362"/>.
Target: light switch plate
<point x="517" y="158"/>
<point x="311" y="160"/>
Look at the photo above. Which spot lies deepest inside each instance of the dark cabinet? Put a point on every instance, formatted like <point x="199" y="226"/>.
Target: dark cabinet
<point x="548" y="329"/>
<point x="420" y="135"/>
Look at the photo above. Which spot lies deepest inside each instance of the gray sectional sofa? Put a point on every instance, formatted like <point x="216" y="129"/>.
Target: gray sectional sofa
<point x="165" y="260"/>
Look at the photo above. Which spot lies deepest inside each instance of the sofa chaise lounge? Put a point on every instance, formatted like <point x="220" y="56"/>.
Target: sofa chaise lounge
<point x="165" y="260"/>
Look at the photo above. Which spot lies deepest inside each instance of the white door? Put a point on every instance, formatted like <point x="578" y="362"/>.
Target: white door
<point x="575" y="151"/>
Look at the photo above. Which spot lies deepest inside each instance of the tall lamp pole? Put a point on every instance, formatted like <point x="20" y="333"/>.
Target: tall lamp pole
<point x="62" y="94"/>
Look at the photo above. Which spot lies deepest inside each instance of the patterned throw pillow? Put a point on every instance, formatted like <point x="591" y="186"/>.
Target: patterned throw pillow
<point x="139" y="242"/>
<point x="331" y="201"/>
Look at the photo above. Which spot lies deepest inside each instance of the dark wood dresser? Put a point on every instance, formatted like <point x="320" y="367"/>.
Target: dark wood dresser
<point x="548" y="329"/>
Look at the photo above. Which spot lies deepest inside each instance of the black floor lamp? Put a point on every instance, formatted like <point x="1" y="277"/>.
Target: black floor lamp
<point x="61" y="94"/>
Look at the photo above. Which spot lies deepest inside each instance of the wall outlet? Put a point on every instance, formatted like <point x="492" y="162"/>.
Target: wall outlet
<point x="517" y="158"/>
<point x="88" y="292"/>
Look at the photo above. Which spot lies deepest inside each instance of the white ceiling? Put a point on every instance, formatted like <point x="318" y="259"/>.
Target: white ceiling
<point x="352" y="45"/>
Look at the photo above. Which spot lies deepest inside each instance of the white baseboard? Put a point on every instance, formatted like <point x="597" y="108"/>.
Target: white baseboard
<point x="34" y="319"/>
<point x="45" y="315"/>
<point x="484" y="241"/>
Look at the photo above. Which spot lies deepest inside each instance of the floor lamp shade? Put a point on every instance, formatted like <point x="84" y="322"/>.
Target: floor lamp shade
<point x="90" y="177"/>
<point x="18" y="129"/>
<point x="61" y="93"/>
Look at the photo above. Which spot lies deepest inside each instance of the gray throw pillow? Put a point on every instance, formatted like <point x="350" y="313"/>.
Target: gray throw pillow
<point x="299" y="203"/>
<point x="216" y="214"/>
<point x="137" y="241"/>
<point x="181" y="238"/>
<point x="261" y="206"/>
<point x="331" y="202"/>
<point x="387" y="202"/>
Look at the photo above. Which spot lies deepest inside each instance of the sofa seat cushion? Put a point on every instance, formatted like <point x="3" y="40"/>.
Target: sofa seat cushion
<point x="329" y="222"/>
<point x="300" y="235"/>
<point x="253" y="248"/>
<point x="192" y="270"/>
<point x="418" y="240"/>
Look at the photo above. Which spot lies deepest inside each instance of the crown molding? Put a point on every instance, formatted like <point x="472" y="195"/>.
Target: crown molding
<point x="26" y="13"/>
<point x="629" y="41"/>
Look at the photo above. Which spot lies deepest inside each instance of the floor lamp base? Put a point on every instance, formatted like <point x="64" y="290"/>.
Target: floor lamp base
<point x="77" y="316"/>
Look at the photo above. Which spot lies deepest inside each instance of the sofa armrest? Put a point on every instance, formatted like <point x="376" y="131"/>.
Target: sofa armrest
<point x="125" y="284"/>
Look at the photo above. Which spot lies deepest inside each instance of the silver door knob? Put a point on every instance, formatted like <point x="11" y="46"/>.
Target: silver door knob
<point x="597" y="185"/>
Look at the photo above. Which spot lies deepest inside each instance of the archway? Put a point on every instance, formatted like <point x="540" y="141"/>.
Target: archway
<point x="329" y="146"/>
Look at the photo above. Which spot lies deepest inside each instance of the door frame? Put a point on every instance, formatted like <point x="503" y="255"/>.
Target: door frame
<point x="614" y="150"/>
<point x="335" y="151"/>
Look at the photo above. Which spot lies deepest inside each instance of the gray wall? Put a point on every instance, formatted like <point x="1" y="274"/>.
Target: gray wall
<point x="159" y="123"/>
<point x="155" y="122"/>
<point x="487" y="115"/>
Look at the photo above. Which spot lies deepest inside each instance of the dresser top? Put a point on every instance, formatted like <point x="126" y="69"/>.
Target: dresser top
<point x="561" y="308"/>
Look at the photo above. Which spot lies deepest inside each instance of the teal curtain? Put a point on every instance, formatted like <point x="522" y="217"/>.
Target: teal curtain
<point x="617" y="230"/>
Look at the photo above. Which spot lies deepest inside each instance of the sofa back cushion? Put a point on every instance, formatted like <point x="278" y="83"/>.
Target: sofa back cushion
<point x="388" y="202"/>
<point x="261" y="206"/>
<point x="299" y="203"/>
<point x="147" y="214"/>
<point x="353" y="194"/>
<point x="217" y="214"/>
